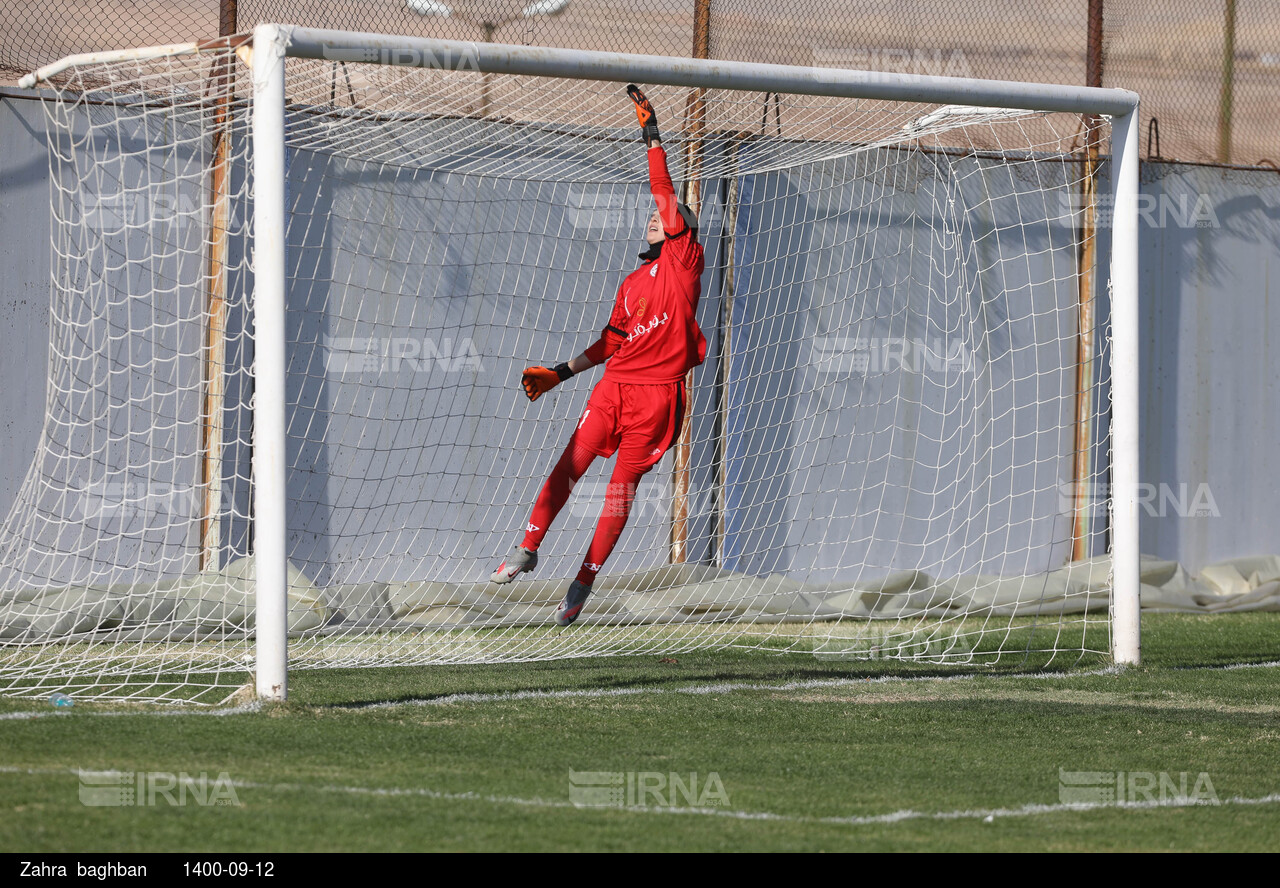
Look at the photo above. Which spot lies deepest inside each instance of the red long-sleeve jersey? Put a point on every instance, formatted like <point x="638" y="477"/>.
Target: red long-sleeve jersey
<point x="653" y="332"/>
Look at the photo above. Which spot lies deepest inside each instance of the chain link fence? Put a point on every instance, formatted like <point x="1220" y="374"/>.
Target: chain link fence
<point x="1208" y="71"/>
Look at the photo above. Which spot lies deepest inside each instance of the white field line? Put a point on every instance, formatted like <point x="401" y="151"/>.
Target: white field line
<point x="593" y="693"/>
<point x="56" y="713"/>
<point x="1231" y="666"/>
<point x="901" y="816"/>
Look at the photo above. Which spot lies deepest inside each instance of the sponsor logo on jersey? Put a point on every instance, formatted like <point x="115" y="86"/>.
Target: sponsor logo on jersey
<point x="653" y="272"/>
<point x="642" y="328"/>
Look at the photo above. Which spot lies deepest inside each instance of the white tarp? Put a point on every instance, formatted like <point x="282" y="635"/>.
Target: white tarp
<point x="222" y="602"/>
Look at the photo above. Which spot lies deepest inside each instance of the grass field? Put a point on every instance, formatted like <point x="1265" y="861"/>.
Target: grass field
<point x="785" y="751"/>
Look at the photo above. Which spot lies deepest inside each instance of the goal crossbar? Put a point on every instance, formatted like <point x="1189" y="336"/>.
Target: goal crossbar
<point x="577" y="64"/>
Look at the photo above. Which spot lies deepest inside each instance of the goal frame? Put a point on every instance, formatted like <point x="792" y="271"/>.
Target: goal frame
<point x="272" y="44"/>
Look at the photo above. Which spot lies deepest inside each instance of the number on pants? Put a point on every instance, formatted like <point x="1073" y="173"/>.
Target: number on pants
<point x="585" y="414"/>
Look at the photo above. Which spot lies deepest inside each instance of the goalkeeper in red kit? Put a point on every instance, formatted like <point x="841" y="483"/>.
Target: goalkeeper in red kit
<point x="650" y="342"/>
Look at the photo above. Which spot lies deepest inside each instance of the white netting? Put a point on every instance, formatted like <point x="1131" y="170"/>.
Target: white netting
<point x="882" y="445"/>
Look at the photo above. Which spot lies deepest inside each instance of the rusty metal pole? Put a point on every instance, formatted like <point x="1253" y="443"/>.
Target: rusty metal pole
<point x="215" y="346"/>
<point x="723" y="368"/>
<point x="486" y="79"/>
<point x="1227" y="98"/>
<point x="702" y="29"/>
<point x="696" y="118"/>
<point x="227" y="18"/>
<point x="1086" y="276"/>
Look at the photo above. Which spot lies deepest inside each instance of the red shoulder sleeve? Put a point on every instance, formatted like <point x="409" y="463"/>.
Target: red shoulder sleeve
<point x="614" y="333"/>
<point x="620" y="317"/>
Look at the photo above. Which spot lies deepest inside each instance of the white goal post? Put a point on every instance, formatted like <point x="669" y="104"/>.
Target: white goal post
<point x="963" y="100"/>
<point x="272" y="43"/>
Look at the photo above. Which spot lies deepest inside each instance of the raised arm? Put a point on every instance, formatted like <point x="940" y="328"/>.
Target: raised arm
<point x="664" y="192"/>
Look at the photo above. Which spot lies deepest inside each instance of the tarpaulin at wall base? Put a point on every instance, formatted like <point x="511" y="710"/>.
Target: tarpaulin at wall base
<point x="217" y="602"/>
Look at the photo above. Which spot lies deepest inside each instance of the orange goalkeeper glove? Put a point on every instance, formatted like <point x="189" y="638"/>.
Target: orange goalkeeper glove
<point x="537" y="381"/>
<point x="644" y="113"/>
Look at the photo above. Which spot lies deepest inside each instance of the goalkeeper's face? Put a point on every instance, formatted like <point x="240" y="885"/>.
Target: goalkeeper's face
<point x="654" y="233"/>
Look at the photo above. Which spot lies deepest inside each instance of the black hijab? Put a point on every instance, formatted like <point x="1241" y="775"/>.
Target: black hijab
<point x="653" y="251"/>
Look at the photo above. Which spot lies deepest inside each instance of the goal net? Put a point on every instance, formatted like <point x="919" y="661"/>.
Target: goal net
<point x="899" y="445"/>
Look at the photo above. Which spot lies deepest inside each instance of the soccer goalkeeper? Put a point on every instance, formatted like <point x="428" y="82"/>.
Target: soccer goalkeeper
<point x="650" y="342"/>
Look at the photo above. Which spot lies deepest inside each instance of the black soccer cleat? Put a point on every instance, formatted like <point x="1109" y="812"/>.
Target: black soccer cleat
<point x="574" y="599"/>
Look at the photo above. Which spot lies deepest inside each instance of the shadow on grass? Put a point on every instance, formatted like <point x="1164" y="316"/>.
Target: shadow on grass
<point x="358" y="688"/>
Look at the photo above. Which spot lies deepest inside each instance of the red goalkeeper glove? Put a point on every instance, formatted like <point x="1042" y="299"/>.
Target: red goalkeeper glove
<point x="644" y="113"/>
<point x="537" y="381"/>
